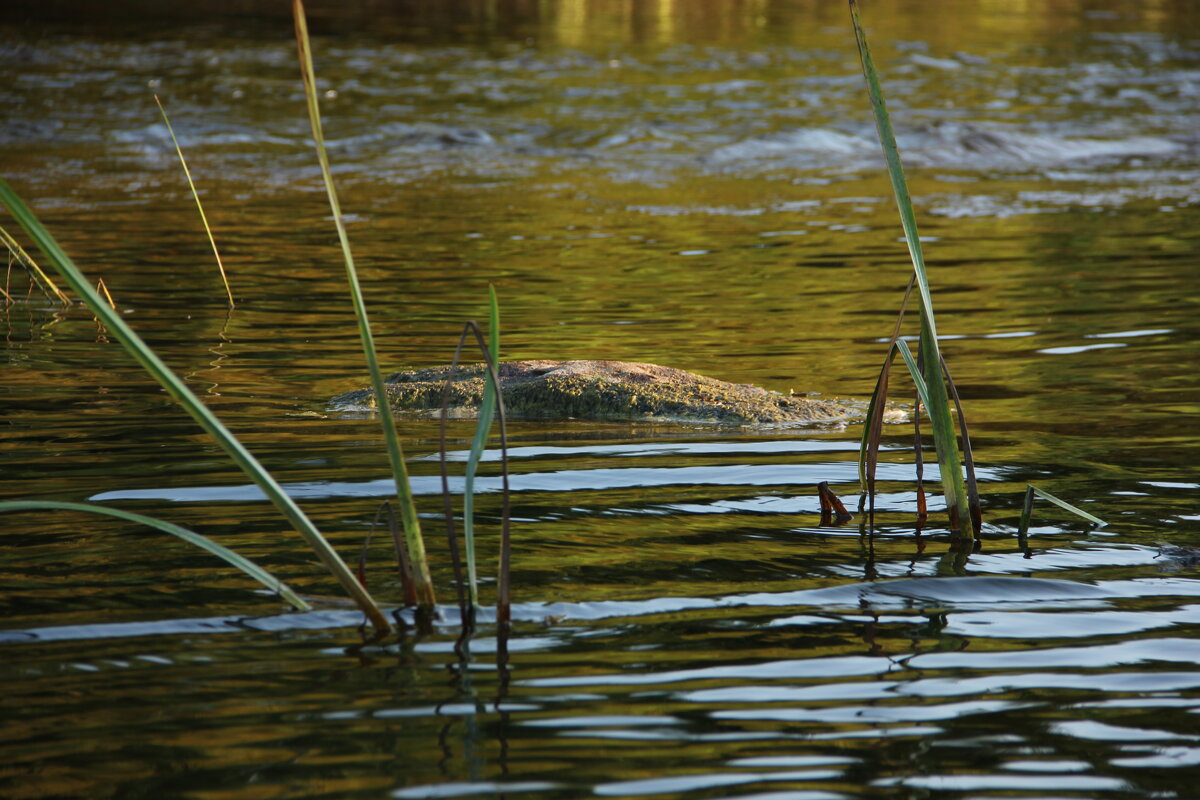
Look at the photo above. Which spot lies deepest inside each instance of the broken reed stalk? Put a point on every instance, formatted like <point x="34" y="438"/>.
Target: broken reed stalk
<point x="179" y="391"/>
<point x="831" y="505"/>
<point x="937" y="401"/>
<point x="199" y="206"/>
<point x="408" y="509"/>
<point x="467" y="601"/>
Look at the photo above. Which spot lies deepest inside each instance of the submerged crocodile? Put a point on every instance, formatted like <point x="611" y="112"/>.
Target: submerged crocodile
<point x="599" y="390"/>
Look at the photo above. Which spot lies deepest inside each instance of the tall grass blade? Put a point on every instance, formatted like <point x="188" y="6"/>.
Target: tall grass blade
<point x="408" y="509"/>
<point x="487" y="410"/>
<point x="179" y="391"/>
<point x="199" y="206"/>
<point x="939" y="409"/>
<point x="43" y="280"/>
<point x="220" y="551"/>
<point x="493" y="380"/>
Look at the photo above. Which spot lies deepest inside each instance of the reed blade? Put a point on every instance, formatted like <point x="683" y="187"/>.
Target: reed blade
<point x="115" y="323"/>
<point x="408" y="508"/>
<point x="1063" y="504"/>
<point x="487" y="410"/>
<point x="939" y="409"/>
<point x="199" y="206"/>
<point x="203" y="542"/>
<point x="493" y="380"/>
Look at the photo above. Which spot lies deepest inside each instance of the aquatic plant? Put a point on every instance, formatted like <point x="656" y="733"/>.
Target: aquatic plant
<point x="411" y="554"/>
<point x="38" y="277"/>
<point x="487" y="410"/>
<point x="408" y="510"/>
<point x="929" y="373"/>
<point x="492" y="406"/>
<point x="115" y="324"/>
<point x="931" y="377"/>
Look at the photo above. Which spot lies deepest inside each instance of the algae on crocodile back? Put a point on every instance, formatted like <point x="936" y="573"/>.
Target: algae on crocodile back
<point x="601" y="390"/>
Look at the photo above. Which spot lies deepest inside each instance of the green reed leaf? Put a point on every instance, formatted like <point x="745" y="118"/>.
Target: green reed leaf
<point x="115" y="323"/>
<point x="203" y="542"/>
<point x="938" y="405"/>
<point x="487" y="412"/>
<point x="408" y="509"/>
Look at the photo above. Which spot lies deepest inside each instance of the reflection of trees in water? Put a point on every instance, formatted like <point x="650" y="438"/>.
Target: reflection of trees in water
<point x="590" y="23"/>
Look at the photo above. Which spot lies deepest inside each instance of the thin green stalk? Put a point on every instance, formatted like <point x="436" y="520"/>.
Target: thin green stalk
<point x="487" y="411"/>
<point x="196" y="196"/>
<point x="220" y="551"/>
<point x="408" y="509"/>
<point x="944" y="438"/>
<point x="179" y="391"/>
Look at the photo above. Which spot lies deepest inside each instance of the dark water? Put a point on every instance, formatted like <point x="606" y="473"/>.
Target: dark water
<point x="695" y="184"/>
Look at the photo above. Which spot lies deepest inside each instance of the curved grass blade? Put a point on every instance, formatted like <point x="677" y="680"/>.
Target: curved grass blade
<point x="408" y="508"/>
<point x="220" y="551"/>
<point x="914" y="370"/>
<point x="43" y="280"/>
<point x="1027" y="510"/>
<point x="487" y="410"/>
<point x="939" y="410"/>
<point x="196" y="196"/>
<point x="187" y="399"/>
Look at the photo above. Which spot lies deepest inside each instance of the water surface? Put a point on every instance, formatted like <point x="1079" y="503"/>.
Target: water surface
<point x="690" y="184"/>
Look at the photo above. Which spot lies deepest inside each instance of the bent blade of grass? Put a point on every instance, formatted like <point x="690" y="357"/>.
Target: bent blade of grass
<point x="1027" y="509"/>
<point x="115" y="323"/>
<point x="26" y="261"/>
<point x="199" y="206"/>
<point x="487" y="409"/>
<point x="408" y="509"/>
<point x="203" y="542"/>
<point x="944" y="439"/>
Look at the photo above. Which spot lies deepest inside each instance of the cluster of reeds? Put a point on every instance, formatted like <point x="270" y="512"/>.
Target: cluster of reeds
<point x="418" y="586"/>
<point x="934" y="387"/>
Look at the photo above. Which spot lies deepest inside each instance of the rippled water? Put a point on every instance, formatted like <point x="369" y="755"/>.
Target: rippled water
<point x="694" y="184"/>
